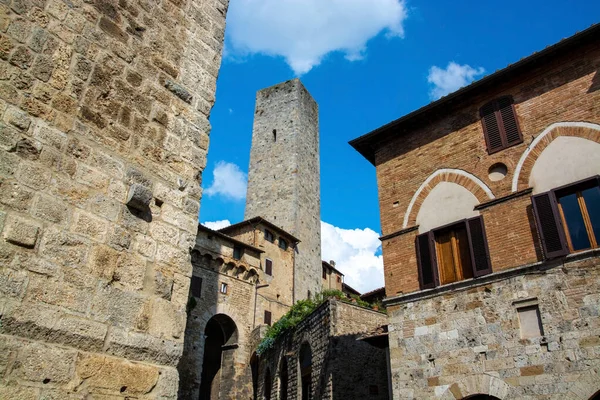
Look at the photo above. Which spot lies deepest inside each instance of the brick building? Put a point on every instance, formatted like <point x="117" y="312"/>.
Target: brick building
<point x="490" y="215"/>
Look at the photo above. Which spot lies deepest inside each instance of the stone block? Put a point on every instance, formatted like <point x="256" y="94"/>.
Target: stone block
<point x="87" y="225"/>
<point x="130" y="271"/>
<point x="17" y="118"/>
<point x="58" y="292"/>
<point x="143" y="347"/>
<point x="64" y="248"/>
<point x="103" y="261"/>
<point x="166" y="320"/>
<point x="116" y="375"/>
<point x="145" y="245"/>
<point x="42" y="363"/>
<point x="48" y="209"/>
<point x="22" y="232"/>
<point x="35" y="175"/>
<point x="15" y="196"/>
<point x="139" y="197"/>
<point x="118" y="307"/>
<point x="11" y="390"/>
<point x="12" y="283"/>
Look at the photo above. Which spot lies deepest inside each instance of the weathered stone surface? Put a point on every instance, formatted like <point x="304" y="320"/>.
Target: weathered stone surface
<point x="21" y="232"/>
<point x="40" y="363"/>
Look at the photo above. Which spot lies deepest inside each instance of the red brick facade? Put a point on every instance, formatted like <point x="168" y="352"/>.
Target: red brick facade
<point x="564" y="91"/>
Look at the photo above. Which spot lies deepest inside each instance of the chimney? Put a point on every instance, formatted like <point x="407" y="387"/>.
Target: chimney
<point x="332" y="263"/>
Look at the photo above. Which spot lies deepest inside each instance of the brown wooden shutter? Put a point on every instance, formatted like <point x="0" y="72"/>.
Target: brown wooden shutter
<point x="549" y="225"/>
<point x="268" y="267"/>
<point x="426" y="260"/>
<point x="480" y="254"/>
<point x="268" y="317"/>
<point x="491" y="127"/>
<point x="510" y="125"/>
<point x="196" y="286"/>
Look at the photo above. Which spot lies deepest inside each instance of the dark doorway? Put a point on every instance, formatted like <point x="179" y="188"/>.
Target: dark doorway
<point x="254" y="370"/>
<point x="306" y="371"/>
<point x="220" y="340"/>
<point x="596" y="395"/>
<point x="481" y="397"/>
<point x="283" y="379"/>
<point x="268" y="385"/>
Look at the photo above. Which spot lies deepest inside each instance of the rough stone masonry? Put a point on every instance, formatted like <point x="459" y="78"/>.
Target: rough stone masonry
<point x="104" y="130"/>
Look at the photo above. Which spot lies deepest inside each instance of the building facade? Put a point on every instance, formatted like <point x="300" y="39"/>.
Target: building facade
<point x="490" y="214"/>
<point x="104" y="131"/>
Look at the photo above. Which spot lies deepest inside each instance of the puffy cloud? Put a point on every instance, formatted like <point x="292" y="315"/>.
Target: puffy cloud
<point x="452" y="78"/>
<point x="216" y="225"/>
<point x="304" y="31"/>
<point x="355" y="252"/>
<point x="229" y="181"/>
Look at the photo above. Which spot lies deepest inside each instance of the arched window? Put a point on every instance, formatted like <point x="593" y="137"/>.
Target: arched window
<point x="283" y="379"/>
<point x="305" y="364"/>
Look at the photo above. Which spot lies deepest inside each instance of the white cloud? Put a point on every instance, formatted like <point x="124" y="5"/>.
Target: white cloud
<point x="216" y="225"/>
<point x="304" y="31"/>
<point x="229" y="181"/>
<point x="355" y="254"/>
<point x="452" y="78"/>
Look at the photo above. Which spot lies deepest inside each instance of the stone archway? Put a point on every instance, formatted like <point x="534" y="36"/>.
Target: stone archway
<point x="221" y="336"/>
<point x="583" y="130"/>
<point x="586" y="387"/>
<point x="305" y="371"/>
<point x="456" y="176"/>
<point x="478" y="387"/>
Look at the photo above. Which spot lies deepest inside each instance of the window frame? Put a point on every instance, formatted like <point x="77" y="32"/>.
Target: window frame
<point x="238" y="252"/>
<point x="559" y="222"/>
<point x="500" y="123"/>
<point x="269" y="266"/>
<point x="224" y="288"/>
<point x="283" y="244"/>
<point x="267" y="318"/>
<point x="479" y="259"/>
<point x="269" y="236"/>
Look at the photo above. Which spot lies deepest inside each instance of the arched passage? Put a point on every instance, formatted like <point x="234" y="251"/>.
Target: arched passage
<point x="305" y="364"/>
<point x="596" y="396"/>
<point x="220" y="341"/>
<point x="481" y="397"/>
<point x="283" y="379"/>
<point x="268" y="384"/>
<point x="254" y="371"/>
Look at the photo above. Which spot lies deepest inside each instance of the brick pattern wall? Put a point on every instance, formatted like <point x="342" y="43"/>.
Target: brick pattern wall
<point x="96" y="96"/>
<point x="343" y="367"/>
<point x="563" y="90"/>
<point x="450" y="346"/>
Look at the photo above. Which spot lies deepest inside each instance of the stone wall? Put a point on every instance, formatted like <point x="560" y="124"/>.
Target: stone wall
<point x="284" y="173"/>
<point x="95" y="97"/>
<point x="342" y="366"/>
<point x="465" y="341"/>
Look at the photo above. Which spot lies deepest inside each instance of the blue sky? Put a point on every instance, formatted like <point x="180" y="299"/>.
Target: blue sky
<point x="366" y="62"/>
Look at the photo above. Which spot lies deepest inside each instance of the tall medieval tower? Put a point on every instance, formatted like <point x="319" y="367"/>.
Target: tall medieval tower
<point x="284" y="173"/>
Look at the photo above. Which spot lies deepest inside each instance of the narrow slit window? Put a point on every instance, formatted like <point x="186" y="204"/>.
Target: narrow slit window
<point x="274" y="135"/>
<point x="267" y="318"/>
<point x="223" y="288"/>
<point x="269" y="267"/>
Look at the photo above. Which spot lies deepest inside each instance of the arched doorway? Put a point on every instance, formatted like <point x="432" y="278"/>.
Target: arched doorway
<point x="305" y="361"/>
<point x="481" y="397"/>
<point x="220" y="337"/>
<point x="283" y="379"/>
<point x="254" y="371"/>
<point x="268" y="386"/>
<point x="596" y="396"/>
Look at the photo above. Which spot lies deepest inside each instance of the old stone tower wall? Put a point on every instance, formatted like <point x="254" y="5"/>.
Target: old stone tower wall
<point x="283" y="178"/>
<point x="96" y="96"/>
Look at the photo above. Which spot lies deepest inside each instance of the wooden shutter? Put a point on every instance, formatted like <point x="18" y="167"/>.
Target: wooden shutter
<point x="268" y="267"/>
<point x="480" y="254"/>
<point x="426" y="260"/>
<point x="549" y="225"/>
<point x="196" y="286"/>
<point x="491" y="127"/>
<point x="268" y="317"/>
<point x="510" y="125"/>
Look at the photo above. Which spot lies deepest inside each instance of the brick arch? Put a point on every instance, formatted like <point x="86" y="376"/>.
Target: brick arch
<point x="586" y="386"/>
<point x="585" y="130"/>
<point x="478" y="384"/>
<point x="465" y="179"/>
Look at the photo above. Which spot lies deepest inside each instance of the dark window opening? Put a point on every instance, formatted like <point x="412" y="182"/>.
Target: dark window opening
<point x="237" y="252"/>
<point x="453" y="253"/>
<point x="305" y="361"/>
<point x="268" y="267"/>
<point x="196" y="286"/>
<point x="339" y="279"/>
<point x="223" y="288"/>
<point x="324" y="273"/>
<point x="283" y="245"/>
<point x="267" y="318"/>
<point x="283" y="380"/>
<point x="268" y="385"/>
<point x="274" y="135"/>
<point x="269" y="236"/>
<point x="500" y="125"/>
<point x="568" y="218"/>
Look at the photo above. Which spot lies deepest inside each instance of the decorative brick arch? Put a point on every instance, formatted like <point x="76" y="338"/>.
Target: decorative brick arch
<point x="585" y="130"/>
<point x="477" y="384"/>
<point x="586" y="386"/>
<point x="465" y="179"/>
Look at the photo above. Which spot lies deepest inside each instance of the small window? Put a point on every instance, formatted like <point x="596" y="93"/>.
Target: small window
<point x="324" y="273"/>
<point x="568" y="218"/>
<point x="267" y="318"/>
<point x="530" y="321"/>
<point x="274" y="135"/>
<point x="196" y="286"/>
<point x="268" y="267"/>
<point x="283" y="244"/>
<point x="237" y="252"/>
<point x="500" y="126"/>
<point x="339" y="279"/>
<point x="223" y="288"/>
<point x="453" y="253"/>
<point x="269" y="236"/>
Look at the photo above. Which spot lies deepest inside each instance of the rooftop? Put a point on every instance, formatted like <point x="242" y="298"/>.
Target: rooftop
<point x="368" y="143"/>
<point x="259" y="220"/>
<point x="229" y="238"/>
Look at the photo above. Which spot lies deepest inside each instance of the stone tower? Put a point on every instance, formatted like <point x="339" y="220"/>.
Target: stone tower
<point x="283" y="178"/>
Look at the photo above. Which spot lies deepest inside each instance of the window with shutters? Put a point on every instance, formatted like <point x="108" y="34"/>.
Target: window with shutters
<point x="267" y="317"/>
<point x="500" y="124"/>
<point x="568" y="218"/>
<point x="453" y="253"/>
<point x="268" y="267"/>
